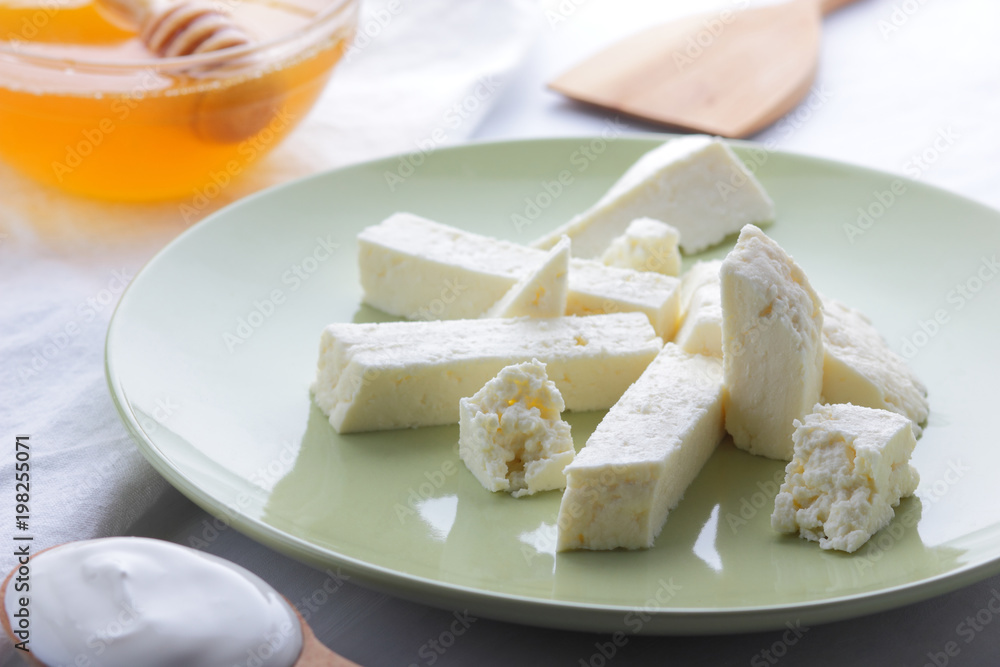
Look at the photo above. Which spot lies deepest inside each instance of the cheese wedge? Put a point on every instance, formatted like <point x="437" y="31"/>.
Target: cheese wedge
<point x="859" y="367"/>
<point x="402" y="374"/>
<point x="850" y="468"/>
<point x="643" y="455"/>
<point x="511" y="435"/>
<point x="542" y="293"/>
<point x="695" y="183"/>
<point x="415" y="268"/>
<point x="772" y="344"/>
<point x="701" y="310"/>
<point x="646" y="245"/>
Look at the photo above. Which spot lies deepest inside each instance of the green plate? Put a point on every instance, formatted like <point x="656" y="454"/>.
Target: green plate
<point x="212" y="349"/>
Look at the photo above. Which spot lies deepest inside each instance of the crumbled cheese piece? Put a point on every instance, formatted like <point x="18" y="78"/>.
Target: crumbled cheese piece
<point x="646" y="245"/>
<point x="511" y="435"/>
<point x="850" y="469"/>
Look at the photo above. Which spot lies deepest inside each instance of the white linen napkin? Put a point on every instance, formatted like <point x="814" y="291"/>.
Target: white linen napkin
<point x="421" y="74"/>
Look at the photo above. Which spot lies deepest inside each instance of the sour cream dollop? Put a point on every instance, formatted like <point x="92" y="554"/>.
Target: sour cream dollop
<point x="127" y="601"/>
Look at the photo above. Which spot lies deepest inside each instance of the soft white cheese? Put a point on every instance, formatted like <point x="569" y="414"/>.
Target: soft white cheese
<point x="643" y="455"/>
<point x="595" y="288"/>
<point x="401" y="374"/>
<point x="542" y="293"/>
<point x="646" y="245"/>
<point x="701" y="310"/>
<point x="859" y="367"/>
<point x="419" y="269"/>
<point x="850" y="468"/>
<point x="772" y="342"/>
<point x="695" y="183"/>
<point x="511" y="435"/>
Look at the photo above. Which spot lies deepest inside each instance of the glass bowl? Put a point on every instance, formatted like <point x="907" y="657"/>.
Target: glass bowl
<point x="168" y="128"/>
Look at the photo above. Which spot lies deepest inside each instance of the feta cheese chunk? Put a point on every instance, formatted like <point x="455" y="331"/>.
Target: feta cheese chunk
<point x="850" y="468"/>
<point x="859" y="367"/>
<point x="542" y="293"/>
<point x="511" y="436"/>
<point x="402" y="374"/>
<point x="772" y="344"/>
<point x="646" y="245"/>
<point x="643" y="455"/>
<point x="591" y="285"/>
<point x="415" y="268"/>
<point x="695" y="183"/>
<point x="701" y="310"/>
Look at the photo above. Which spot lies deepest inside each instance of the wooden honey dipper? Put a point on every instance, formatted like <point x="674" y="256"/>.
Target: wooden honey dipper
<point x="176" y="29"/>
<point x="172" y="29"/>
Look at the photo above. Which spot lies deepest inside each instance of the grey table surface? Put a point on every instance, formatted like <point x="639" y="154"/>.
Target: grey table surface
<point x="877" y="115"/>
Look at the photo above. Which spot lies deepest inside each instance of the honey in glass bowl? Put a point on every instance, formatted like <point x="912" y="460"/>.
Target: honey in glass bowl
<point x="84" y="106"/>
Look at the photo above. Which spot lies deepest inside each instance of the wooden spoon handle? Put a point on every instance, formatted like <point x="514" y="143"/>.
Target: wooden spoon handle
<point x="5" y="622"/>
<point x="830" y="6"/>
<point x="314" y="653"/>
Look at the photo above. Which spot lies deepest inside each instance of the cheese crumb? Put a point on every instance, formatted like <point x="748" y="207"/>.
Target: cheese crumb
<point x="646" y="245"/>
<point x="850" y="468"/>
<point x="511" y="435"/>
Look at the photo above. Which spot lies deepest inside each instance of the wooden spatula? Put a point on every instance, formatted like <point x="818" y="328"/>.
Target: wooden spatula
<point x="726" y="73"/>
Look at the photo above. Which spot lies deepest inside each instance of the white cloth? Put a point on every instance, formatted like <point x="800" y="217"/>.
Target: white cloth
<point x="423" y="72"/>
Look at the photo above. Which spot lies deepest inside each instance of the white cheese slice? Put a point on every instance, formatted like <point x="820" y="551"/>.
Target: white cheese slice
<point x="542" y="293"/>
<point x="643" y="455"/>
<point x="646" y="245"/>
<point x="402" y="374"/>
<point x="772" y="344"/>
<point x="695" y="183"/>
<point x="859" y="367"/>
<point x="595" y="288"/>
<point x="415" y="268"/>
<point x="850" y="468"/>
<point x="701" y="310"/>
<point x="511" y="435"/>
